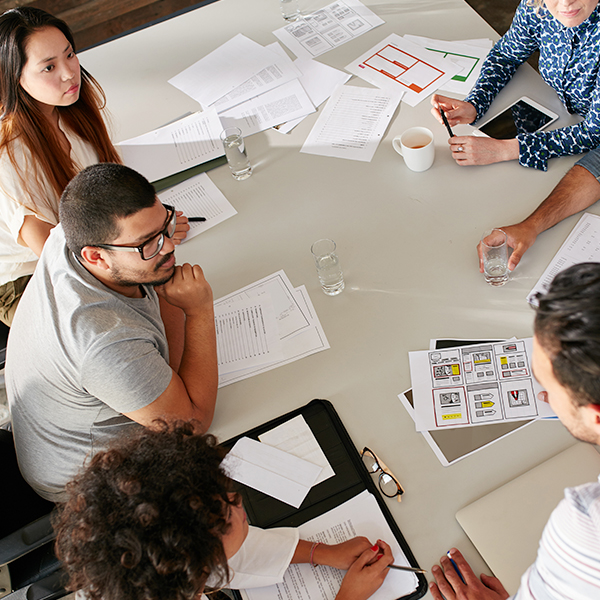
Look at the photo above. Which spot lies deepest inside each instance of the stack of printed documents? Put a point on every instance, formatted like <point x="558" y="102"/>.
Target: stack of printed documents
<point x="255" y="87"/>
<point x="265" y="325"/>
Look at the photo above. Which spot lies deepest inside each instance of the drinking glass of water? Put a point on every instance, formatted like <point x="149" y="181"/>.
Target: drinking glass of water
<point x="290" y="9"/>
<point x="494" y="247"/>
<point x="328" y="267"/>
<point x="235" y="152"/>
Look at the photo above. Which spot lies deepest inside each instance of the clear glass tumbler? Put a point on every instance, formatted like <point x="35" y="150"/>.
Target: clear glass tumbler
<point x="328" y="267"/>
<point x="494" y="247"/>
<point x="289" y="9"/>
<point x="235" y="152"/>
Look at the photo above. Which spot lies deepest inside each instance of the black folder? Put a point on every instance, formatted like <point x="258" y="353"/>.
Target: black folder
<point x="351" y="478"/>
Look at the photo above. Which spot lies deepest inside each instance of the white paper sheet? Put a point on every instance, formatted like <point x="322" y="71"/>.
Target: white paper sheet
<point x="271" y="471"/>
<point x="352" y="123"/>
<point x="360" y="515"/>
<point x="395" y="64"/>
<point x="288" y="101"/>
<point x="319" y="81"/>
<point x="186" y="143"/>
<point x="327" y="28"/>
<point x="199" y="197"/>
<point x="300" y="331"/>
<point x="582" y="245"/>
<point x="468" y="56"/>
<point x="296" y="437"/>
<point x="247" y="334"/>
<point x="224" y="69"/>
<point x="475" y="385"/>
<point x="272" y="76"/>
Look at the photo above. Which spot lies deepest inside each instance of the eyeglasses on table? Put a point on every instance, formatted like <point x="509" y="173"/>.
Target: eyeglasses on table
<point x="388" y="484"/>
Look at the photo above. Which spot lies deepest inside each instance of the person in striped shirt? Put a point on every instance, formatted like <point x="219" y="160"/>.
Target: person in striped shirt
<point x="566" y="361"/>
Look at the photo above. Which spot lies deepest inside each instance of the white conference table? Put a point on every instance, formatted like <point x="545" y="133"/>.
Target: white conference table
<point x="406" y="242"/>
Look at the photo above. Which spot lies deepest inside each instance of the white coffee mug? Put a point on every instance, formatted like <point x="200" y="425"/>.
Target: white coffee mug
<point x="416" y="146"/>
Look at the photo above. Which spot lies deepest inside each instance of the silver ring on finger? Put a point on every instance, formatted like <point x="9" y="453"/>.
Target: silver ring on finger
<point x="461" y="149"/>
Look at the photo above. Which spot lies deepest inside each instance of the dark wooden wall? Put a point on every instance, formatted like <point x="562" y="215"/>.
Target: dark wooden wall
<point x="94" y="21"/>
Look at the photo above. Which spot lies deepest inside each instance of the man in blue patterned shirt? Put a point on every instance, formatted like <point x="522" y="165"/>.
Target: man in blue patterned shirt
<point x="567" y="34"/>
<point x="566" y="361"/>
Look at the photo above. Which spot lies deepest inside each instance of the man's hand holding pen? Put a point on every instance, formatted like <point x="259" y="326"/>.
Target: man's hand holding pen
<point x="455" y="580"/>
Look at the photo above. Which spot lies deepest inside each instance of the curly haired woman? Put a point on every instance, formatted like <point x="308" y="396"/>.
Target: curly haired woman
<point x="155" y="517"/>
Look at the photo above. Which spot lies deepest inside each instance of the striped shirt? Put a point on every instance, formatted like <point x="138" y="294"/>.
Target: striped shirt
<point x="568" y="560"/>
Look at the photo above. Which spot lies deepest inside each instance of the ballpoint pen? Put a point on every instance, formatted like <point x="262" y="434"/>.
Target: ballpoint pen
<point x="450" y="133"/>
<point x="455" y="567"/>
<point x="196" y="219"/>
<point x="411" y="569"/>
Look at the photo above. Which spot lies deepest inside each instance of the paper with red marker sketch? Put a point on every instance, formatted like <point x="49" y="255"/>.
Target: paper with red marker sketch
<point x="395" y="64"/>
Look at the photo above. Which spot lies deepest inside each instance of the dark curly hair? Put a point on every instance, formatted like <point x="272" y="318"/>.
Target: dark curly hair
<point x="567" y="325"/>
<point x="146" y="517"/>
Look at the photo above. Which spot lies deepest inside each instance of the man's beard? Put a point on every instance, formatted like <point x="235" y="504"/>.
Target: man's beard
<point x="129" y="279"/>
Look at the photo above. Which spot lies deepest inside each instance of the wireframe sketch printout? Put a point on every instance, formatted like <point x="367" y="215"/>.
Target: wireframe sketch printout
<point x="199" y="197"/>
<point x="173" y="148"/>
<point x="582" y="245"/>
<point x="360" y="515"/>
<point x="475" y="385"/>
<point x="352" y="123"/>
<point x="400" y="65"/>
<point x="327" y="28"/>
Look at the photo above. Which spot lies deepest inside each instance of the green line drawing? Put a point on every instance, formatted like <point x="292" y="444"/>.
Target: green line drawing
<point x="464" y="57"/>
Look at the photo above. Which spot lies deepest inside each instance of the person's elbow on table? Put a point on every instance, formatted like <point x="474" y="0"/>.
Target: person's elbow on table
<point x="520" y="238"/>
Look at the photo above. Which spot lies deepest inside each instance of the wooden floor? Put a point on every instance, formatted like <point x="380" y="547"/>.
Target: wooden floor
<point x="95" y="21"/>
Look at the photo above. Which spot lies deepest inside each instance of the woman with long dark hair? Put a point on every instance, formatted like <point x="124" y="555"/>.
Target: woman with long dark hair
<point x="51" y="127"/>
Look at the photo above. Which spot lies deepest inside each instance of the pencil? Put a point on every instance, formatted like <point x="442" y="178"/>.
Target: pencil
<point x="196" y="219"/>
<point x="411" y="569"/>
<point x="446" y="122"/>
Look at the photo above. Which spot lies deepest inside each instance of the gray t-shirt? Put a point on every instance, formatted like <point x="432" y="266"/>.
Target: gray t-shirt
<point x="79" y="355"/>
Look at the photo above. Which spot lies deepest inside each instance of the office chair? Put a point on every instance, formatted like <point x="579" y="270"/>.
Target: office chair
<point x="26" y="536"/>
<point x="4" y="329"/>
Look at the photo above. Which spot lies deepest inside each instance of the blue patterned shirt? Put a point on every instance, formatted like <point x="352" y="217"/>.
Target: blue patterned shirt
<point x="569" y="63"/>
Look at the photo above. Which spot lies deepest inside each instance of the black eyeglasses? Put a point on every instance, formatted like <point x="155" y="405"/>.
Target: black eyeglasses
<point x="388" y="484"/>
<point x="150" y="248"/>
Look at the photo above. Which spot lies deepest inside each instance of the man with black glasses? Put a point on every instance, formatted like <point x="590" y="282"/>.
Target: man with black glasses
<point x="110" y="333"/>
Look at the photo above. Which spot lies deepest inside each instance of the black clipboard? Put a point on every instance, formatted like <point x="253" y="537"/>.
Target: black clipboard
<point x="351" y="478"/>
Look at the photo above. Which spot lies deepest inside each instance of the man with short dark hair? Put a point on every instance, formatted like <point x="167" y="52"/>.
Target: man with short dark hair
<point x="566" y="361"/>
<point x="110" y="333"/>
